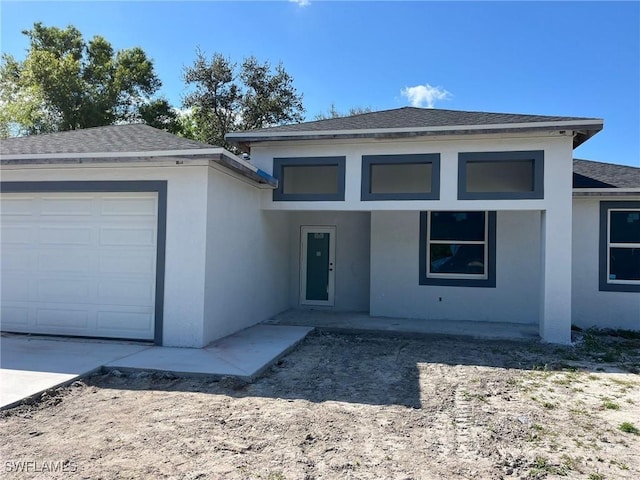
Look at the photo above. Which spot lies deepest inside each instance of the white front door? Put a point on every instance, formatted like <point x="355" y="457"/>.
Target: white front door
<point x="317" y="265"/>
<point x="79" y="264"/>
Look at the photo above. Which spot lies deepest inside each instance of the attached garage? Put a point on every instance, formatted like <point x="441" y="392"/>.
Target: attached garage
<point x="83" y="258"/>
<point x="130" y="232"/>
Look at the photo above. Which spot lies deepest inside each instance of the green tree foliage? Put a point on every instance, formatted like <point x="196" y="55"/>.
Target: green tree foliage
<point x="333" y="112"/>
<point x="226" y="97"/>
<point x="66" y="83"/>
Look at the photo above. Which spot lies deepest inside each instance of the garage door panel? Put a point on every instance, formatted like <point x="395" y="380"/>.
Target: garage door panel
<point x="65" y="235"/>
<point x="23" y="262"/>
<point x="15" y="317"/>
<point x="62" y="319"/>
<point x="18" y="234"/>
<point x="79" y="264"/>
<point x="143" y="263"/>
<point x="127" y="206"/>
<point x="67" y="206"/>
<point x="121" y="292"/>
<point x="55" y="262"/>
<point x="64" y="290"/>
<point x="14" y="290"/>
<point x="21" y="206"/>
<point x="144" y="237"/>
<point x="135" y="323"/>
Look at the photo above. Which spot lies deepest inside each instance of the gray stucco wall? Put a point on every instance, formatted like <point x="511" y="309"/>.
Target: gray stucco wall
<point x="590" y="306"/>
<point x="247" y="260"/>
<point x="352" y="257"/>
<point x="395" y="291"/>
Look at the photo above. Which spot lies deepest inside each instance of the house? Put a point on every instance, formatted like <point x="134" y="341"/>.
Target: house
<point x="130" y="232"/>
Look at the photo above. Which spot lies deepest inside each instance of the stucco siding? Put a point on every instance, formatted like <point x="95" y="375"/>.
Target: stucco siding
<point x="352" y="257"/>
<point x="590" y="306"/>
<point x="185" y="240"/>
<point x="557" y="170"/>
<point x="247" y="258"/>
<point x="395" y="291"/>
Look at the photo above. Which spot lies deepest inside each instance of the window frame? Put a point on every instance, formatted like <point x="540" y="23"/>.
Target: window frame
<point x="605" y="283"/>
<point x="487" y="280"/>
<point x="537" y="156"/>
<point x="398" y="159"/>
<point x="278" y="170"/>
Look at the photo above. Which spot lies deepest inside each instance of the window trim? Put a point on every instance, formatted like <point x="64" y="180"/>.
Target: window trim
<point x="395" y="159"/>
<point x="458" y="280"/>
<point x="605" y="285"/>
<point x="537" y="156"/>
<point x="278" y="168"/>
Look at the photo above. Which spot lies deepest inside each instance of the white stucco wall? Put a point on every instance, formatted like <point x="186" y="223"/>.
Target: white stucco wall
<point x="395" y="291"/>
<point x="352" y="257"/>
<point x="590" y="306"/>
<point x="247" y="258"/>
<point x="547" y="303"/>
<point x="186" y="233"/>
<point x="557" y="161"/>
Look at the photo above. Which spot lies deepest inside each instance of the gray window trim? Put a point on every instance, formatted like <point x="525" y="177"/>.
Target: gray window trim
<point x="157" y="186"/>
<point x="369" y="160"/>
<point x="489" y="282"/>
<point x="280" y="163"/>
<point x="604" y="284"/>
<point x="538" y="174"/>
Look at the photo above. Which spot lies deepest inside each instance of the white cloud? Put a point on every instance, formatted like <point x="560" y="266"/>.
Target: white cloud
<point x="424" y="95"/>
<point x="301" y="3"/>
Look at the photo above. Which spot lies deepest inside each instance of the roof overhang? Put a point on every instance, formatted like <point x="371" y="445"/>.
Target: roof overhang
<point x="606" y="192"/>
<point x="583" y="130"/>
<point x="216" y="155"/>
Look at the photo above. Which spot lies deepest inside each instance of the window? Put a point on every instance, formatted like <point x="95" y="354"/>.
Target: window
<point x="401" y="177"/>
<point x="309" y="178"/>
<point x="501" y="175"/>
<point x="620" y="246"/>
<point x="457" y="249"/>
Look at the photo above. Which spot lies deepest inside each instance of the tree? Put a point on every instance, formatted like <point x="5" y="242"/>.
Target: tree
<point x="228" y="98"/>
<point x="66" y="83"/>
<point x="333" y="112"/>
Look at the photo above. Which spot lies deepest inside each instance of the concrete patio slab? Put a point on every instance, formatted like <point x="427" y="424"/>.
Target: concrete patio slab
<point x="362" y="322"/>
<point x="245" y="354"/>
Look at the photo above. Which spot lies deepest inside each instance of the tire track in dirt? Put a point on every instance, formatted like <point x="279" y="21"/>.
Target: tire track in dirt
<point x="462" y="417"/>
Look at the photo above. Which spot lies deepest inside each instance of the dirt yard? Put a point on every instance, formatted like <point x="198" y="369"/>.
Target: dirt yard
<point x="351" y="407"/>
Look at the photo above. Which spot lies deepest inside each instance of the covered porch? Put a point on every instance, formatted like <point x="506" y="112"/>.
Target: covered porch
<point x="373" y="278"/>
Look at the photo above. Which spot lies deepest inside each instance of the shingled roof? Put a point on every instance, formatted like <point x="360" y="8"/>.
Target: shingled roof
<point x="109" y="139"/>
<point x="411" y="121"/>
<point x="132" y="143"/>
<point x="591" y="175"/>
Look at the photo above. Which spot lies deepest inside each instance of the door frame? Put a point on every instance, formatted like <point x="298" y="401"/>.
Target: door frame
<point x="331" y="287"/>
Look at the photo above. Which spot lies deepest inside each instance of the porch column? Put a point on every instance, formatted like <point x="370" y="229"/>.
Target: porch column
<point x="555" y="291"/>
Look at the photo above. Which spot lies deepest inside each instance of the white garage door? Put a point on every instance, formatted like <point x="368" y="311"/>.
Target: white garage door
<point x="79" y="263"/>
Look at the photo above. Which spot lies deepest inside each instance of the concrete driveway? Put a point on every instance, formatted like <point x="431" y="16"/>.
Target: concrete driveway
<point x="30" y="365"/>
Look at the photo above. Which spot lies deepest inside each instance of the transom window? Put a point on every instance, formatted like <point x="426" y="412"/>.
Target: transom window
<point x="457" y="249"/>
<point x="309" y="178"/>
<point x="501" y="175"/>
<point x="620" y="246"/>
<point x="401" y="177"/>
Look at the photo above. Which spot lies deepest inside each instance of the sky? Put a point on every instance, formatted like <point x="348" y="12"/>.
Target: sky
<point x="549" y="58"/>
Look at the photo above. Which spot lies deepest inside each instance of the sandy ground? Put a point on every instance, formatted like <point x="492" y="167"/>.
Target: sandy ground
<point x="350" y="407"/>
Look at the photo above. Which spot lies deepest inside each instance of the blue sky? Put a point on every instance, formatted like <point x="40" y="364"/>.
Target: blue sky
<point x="548" y="58"/>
